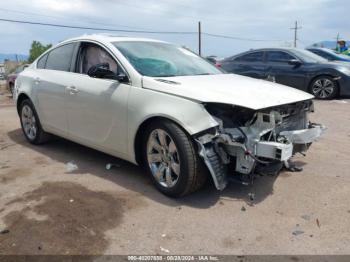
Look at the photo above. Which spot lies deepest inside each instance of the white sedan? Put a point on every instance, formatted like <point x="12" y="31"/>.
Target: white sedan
<point x="161" y="106"/>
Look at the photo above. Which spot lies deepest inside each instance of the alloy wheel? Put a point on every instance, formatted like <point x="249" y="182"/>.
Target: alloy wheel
<point x="29" y="122"/>
<point x="163" y="158"/>
<point x="323" y="88"/>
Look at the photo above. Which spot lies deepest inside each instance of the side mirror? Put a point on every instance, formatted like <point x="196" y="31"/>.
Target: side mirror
<point x="101" y="71"/>
<point x="122" y="77"/>
<point x="294" y="62"/>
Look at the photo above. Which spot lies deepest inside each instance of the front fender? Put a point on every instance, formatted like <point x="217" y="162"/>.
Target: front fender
<point x="145" y="104"/>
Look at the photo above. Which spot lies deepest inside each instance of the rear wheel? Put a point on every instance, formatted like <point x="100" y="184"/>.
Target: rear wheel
<point x="324" y="87"/>
<point x="172" y="159"/>
<point x="12" y="86"/>
<point x="30" y="123"/>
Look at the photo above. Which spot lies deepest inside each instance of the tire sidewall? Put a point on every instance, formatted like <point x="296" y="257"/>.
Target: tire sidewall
<point x="336" y="88"/>
<point x="181" y="185"/>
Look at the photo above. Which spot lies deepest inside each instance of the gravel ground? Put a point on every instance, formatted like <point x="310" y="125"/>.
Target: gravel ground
<point x="48" y="209"/>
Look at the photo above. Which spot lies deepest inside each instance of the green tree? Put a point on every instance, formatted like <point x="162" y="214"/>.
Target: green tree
<point x="36" y="50"/>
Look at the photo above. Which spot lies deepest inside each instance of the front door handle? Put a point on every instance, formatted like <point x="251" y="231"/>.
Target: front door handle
<point x="72" y="90"/>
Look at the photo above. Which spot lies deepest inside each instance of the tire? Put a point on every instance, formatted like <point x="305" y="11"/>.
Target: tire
<point x="324" y="87"/>
<point x="180" y="156"/>
<point x="11" y="87"/>
<point x="30" y="124"/>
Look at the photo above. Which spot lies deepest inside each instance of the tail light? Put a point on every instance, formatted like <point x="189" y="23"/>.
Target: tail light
<point x="217" y="64"/>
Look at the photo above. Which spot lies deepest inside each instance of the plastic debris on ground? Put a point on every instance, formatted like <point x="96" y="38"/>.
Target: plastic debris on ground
<point x="306" y="217"/>
<point x="71" y="167"/>
<point x="298" y="231"/>
<point x="110" y="165"/>
<point x="243" y="209"/>
<point x="5" y="231"/>
<point x="318" y="223"/>
<point x="164" y="250"/>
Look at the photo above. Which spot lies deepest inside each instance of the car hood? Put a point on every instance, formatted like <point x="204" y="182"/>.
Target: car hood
<point x="227" y="89"/>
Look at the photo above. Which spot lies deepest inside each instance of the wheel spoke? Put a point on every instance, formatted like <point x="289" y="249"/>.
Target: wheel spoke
<point x="316" y="90"/>
<point x="172" y="147"/>
<point x="154" y="144"/>
<point x="162" y="138"/>
<point x="175" y="167"/>
<point x="318" y="83"/>
<point x="160" y="172"/>
<point x="168" y="178"/>
<point x="154" y="157"/>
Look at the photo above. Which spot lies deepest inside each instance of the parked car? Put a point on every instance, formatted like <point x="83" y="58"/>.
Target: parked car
<point x="161" y="106"/>
<point x="11" y="78"/>
<point x="329" y="54"/>
<point x="297" y="68"/>
<point x="214" y="60"/>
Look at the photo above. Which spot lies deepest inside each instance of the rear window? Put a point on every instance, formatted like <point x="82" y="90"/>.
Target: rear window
<point x="252" y="57"/>
<point x="41" y="62"/>
<point x="279" y="57"/>
<point x="60" y="58"/>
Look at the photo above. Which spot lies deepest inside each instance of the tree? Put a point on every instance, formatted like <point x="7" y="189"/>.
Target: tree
<point x="36" y="50"/>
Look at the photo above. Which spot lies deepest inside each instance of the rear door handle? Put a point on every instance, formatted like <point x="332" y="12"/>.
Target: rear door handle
<point x="72" y="90"/>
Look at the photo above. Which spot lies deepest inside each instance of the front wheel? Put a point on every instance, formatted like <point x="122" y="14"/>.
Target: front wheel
<point x="172" y="159"/>
<point x="30" y="123"/>
<point x="324" y="87"/>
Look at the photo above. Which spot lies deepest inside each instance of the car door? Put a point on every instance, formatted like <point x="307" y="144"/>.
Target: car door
<point x="97" y="108"/>
<point x="251" y="64"/>
<point x="53" y="75"/>
<point x="282" y="71"/>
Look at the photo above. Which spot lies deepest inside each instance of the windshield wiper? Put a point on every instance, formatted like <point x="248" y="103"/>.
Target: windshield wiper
<point x="203" y="74"/>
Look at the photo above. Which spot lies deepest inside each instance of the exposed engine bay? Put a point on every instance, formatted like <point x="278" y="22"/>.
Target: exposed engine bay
<point x="249" y="142"/>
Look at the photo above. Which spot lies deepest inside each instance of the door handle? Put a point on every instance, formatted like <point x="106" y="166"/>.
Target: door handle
<point x="72" y="90"/>
<point x="37" y="80"/>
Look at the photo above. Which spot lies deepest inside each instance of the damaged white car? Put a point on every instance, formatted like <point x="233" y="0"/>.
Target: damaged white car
<point x="159" y="105"/>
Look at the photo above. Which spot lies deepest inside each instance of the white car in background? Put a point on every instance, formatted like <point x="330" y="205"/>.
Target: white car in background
<point x="162" y="106"/>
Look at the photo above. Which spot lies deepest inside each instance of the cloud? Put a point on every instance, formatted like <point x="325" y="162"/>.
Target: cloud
<point x="268" y="19"/>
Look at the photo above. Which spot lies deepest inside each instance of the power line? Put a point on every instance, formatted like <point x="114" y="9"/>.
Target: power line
<point x="138" y="31"/>
<point x="242" y="39"/>
<point x="65" y="17"/>
<point x="95" y="28"/>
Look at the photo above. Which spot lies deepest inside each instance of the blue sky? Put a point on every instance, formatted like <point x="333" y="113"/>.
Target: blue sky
<point x="255" y="19"/>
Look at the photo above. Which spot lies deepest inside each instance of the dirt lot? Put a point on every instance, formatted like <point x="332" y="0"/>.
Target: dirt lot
<point x="51" y="210"/>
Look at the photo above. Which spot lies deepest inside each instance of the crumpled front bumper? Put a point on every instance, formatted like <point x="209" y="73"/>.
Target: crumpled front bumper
<point x="218" y="152"/>
<point x="304" y="136"/>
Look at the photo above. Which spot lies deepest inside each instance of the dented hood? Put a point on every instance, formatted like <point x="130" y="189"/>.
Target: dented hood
<point x="227" y="89"/>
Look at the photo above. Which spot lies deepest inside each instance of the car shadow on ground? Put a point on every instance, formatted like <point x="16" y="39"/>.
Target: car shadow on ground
<point x="136" y="179"/>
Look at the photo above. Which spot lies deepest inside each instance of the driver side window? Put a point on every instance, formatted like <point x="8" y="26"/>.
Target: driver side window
<point x="91" y="55"/>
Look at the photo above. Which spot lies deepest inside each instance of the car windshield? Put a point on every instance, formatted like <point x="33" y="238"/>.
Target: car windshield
<point x="157" y="59"/>
<point x="309" y="57"/>
<point x="337" y="54"/>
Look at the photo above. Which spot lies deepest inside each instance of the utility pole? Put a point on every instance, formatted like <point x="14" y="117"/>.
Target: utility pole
<point x="296" y="28"/>
<point x="338" y="38"/>
<point x="199" y="39"/>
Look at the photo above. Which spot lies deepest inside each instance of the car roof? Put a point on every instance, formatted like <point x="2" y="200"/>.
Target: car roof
<point x="110" y="38"/>
<point x="265" y="49"/>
